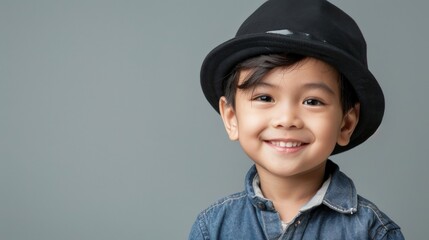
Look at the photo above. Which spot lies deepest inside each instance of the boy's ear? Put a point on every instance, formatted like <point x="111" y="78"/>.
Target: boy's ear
<point x="229" y="118"/>
<point x="350" y="121"/>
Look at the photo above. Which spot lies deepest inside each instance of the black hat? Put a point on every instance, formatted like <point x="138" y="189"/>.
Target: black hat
<point x="313" y="28"/>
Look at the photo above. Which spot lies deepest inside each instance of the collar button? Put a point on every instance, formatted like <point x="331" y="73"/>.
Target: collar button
<point x="261" y="205"/>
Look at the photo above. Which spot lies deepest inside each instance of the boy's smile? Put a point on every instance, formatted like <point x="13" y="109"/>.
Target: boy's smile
<point x="291" y="121"/>
<point x="285" y="145"/>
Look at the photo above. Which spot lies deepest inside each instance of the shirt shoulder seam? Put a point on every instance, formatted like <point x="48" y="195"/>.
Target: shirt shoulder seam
<point x="379" y="215"/>
<point x="224" y="200"/>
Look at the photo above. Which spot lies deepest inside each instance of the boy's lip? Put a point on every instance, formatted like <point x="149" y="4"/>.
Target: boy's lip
<point x="286" y="145"/>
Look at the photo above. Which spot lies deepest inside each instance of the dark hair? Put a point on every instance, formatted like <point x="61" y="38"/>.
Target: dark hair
<point x="261" y="65"/>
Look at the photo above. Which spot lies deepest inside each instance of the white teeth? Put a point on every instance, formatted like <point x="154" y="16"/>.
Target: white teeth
<point x="286" y="144"/>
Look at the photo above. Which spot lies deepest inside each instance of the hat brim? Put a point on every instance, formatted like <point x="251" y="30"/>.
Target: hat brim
<point x="219" y="63"/>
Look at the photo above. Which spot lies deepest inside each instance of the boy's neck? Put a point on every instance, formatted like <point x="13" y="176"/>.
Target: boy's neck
<point x="289" y="194"/>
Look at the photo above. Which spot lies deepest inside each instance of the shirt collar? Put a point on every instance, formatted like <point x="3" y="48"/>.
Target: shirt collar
<point x="316" y="200"/>
<point x="337" y="192"/>
<point x="341" y="195"/>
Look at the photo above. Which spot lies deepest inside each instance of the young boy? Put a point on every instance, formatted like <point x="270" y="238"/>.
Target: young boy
<point x="293" y="87"/>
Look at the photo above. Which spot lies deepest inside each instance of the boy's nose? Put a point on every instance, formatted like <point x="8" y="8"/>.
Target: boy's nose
<point x="286" y="117"/>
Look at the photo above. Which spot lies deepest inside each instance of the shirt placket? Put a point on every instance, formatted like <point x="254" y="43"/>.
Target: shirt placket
<point x="295" y="229"/>
<point x="269" y="219"/>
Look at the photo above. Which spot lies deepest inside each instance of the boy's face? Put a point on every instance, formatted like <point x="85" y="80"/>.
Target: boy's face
<point x="291" y="121"/>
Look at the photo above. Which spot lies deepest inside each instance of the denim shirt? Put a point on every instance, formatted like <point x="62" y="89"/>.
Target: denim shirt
<point x="342" y="214"/>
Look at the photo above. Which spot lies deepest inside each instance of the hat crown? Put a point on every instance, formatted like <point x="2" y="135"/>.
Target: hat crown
<point x="318" y="18"/>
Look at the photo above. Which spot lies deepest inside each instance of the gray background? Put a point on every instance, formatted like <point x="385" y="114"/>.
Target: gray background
<point x="105" y="134"/>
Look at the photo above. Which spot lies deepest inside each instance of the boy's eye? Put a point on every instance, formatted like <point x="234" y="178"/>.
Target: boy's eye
<point x="313" y="102"/>
<point x="264" y="98"/>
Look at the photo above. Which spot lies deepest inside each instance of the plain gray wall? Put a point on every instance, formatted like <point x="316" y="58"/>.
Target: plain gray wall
<point x="105" y="133"/>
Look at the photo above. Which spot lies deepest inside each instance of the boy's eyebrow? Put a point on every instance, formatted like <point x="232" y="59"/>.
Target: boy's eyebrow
<point x="319" y="85"/>
<point x="311" y="85"/>
<point x="259" y="84"/>
<point x="265" y="84"/>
